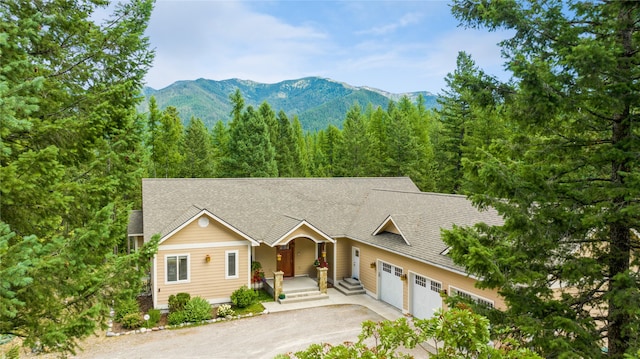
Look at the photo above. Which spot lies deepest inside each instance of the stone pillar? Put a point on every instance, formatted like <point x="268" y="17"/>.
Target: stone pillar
<point x="322" y="279"/>
<point x="277" y="284"/>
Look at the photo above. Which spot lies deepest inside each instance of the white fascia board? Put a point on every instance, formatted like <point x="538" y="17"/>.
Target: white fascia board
<point x="217" y="219"/>
<point x="326" y="237"/>
<point x="385" y="222"/>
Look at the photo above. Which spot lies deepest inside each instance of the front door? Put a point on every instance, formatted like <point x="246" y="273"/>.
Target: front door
<point x="355" y="258"/>
<point x="285" y="264"/>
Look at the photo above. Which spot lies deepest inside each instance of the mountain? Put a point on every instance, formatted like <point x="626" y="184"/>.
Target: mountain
<point x="316" y="101"/>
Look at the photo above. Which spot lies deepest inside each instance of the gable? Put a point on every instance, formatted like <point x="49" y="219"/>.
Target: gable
<point x="204" y="229"/>
<point x="390" y="226"/>
<point x="304" y="229"/>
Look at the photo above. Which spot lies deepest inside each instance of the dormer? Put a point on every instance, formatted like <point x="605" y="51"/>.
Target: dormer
<point x="389" y="225"/>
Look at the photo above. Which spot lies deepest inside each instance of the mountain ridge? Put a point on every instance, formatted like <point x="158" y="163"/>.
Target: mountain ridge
<point x="318" y="102"/>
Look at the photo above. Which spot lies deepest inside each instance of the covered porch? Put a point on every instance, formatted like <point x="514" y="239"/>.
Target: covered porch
<point x="297" y="289"/>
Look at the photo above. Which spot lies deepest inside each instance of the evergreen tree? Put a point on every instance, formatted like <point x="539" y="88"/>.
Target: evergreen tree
<point x="152" y="132"/>
<point x="354" y="156"/>
<point x="251" y="153"/>
<point x="70" y="164"/>
<point x="238" y="106"/>
<point x="220" y="146"/>
<point x="197" y="151"/>
<point x="287" y="156"/>
<point x="567" y="181"/>
<point x="328" y="143"/>
<point x="463" y="110"/>
<point x="269" y="118"/>
<point x="167" y="144"/>
<point x="420" y="158"/>
<point x="301" y="149"/>
<point x="405" y="155"/>
<point x="379" y="134"/>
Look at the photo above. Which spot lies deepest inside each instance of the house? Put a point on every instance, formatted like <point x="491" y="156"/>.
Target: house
<point x="382" y="232"/>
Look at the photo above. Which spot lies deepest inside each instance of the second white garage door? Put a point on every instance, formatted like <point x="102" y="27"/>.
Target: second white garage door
<point x="425" y="296"/>
<point x="390" y="284"/>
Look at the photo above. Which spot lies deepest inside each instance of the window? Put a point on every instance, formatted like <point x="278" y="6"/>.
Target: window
<point x="177" y="268"/>
<point x="436" y="286"/>
<point x="386" y="267"/>
<point x="231" y="264"/>
<point x="472" y="297"/>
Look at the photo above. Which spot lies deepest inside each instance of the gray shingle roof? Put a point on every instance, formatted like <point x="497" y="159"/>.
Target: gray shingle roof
<point x="420" y="216"/>
<point x="134" y="228"/>
<point x="266" y="208"/>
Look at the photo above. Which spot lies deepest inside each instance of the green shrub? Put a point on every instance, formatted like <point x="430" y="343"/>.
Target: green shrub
<point x="243" y="297"/>
<point x="225" y="310"/>
<point x="154" y="318"/>
<point x="125" y="307"/>
<point x="197" y="310"/>
<point x="132" y="320"/>
<point x="178" y="302"/>
<point x="176" y="318"/>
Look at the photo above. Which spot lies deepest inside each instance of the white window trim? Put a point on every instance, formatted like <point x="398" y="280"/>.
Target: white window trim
<point x="226" y="264"/>
<point x="476" y="298"/>
<point x="166" y="269"/>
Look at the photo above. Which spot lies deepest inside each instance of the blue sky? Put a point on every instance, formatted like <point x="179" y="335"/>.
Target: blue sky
<point x="395" y="46"/>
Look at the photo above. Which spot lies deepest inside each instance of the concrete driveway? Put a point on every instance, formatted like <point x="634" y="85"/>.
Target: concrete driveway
<point x="262" y="336"/>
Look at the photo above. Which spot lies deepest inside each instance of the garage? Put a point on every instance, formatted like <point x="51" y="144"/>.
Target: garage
<point x="425" y="296"/>
<point x="390" y="284"/>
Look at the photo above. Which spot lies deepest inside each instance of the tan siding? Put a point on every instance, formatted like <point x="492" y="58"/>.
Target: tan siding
<point x="193" y="233"/>
<point x="369" y="277"/>
<point x="390" y="227"/>
<point x="206" y="280"/>
<point x="343" y="259"/>
<point x="267" y="257"/>
<point x="305" y="255"/>
<point x="330" y="260"/>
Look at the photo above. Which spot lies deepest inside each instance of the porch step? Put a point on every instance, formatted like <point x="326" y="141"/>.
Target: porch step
<point x="350" y="286"/>
<point x="301" y="290"/>
<point x="302" y="296"/>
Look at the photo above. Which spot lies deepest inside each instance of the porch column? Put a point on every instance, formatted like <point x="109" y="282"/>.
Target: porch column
<point x="322" y="279"/>
<point x="277" y="284"/>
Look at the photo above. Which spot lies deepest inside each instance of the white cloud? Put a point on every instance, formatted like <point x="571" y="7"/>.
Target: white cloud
<point x="225" y="39"/>
<point x="406" y="20"/>
<point x="482" y="46"/>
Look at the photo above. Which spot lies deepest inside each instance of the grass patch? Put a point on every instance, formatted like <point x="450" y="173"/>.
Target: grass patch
<point x="263" y="296"/>
<point x="255" y="308"/>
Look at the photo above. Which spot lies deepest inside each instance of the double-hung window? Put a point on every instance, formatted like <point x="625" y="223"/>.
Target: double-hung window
<point x="177" y="268"/>
<point x="231" y="264"/>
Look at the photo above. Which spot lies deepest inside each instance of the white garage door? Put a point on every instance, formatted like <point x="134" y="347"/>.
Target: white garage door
<point x="390" y="284"/>
<point x="425" y="296"/>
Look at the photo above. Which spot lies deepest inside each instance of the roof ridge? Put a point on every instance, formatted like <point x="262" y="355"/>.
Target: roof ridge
<point x="421" y="193"/>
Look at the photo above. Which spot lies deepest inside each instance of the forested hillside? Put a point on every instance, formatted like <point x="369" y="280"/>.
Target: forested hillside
<point x="317" y="102"/>
<point x="258" y="142"/>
